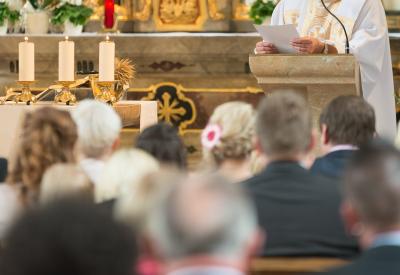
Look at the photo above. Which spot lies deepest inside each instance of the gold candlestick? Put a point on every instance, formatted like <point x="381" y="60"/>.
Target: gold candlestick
<point x="107" y="93"/>
<point x="65" y="96"/>
<point x="25" y="96"/>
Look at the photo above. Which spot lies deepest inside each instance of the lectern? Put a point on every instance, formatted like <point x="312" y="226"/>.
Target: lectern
<point x="320" y="78"/>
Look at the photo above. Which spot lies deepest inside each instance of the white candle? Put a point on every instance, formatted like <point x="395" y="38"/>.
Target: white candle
<point x="66" y="60"/>
<point x="106" y="60"/>
<point x="26" y="60"/>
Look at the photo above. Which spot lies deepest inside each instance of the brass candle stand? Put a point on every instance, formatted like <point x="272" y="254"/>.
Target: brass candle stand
<point x="25" y="96"/>
<point x="107" y="93"/>
<point x="65" y="96"/>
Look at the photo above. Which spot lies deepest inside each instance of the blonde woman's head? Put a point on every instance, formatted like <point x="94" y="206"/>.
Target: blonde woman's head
<point x="134" y="207"/>
<point x="230" y="132"/>
<point x="123" y="172"/>
<point x="65" y="180"/>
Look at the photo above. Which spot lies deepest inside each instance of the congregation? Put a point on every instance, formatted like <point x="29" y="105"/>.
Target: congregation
<point x="74" y="201"/>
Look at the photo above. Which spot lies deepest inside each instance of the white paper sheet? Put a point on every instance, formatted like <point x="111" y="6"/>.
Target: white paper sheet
<point x="279" y="35"/>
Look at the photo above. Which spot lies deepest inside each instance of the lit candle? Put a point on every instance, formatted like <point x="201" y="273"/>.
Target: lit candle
<point x="66" y="60"/>
<point x="106" y="60"/>
<point x="26" y="59"/>
<point x="108" y="13"/>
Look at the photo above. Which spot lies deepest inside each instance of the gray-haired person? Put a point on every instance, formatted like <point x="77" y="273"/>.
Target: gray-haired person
<point x="371" y="209"/>
<point x="204" y="225"/>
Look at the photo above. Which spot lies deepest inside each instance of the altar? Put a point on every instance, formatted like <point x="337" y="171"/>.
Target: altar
<point x="132" y="113"/>
<point x="189" y="74"/>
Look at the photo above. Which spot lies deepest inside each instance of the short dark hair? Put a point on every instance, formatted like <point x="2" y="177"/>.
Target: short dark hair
<point x="349" y="120"/>
<point x="67" y="237"/>
<point x="372" y="184"/>
<point x="284" y="124"/>
<point x="163" y="143"/>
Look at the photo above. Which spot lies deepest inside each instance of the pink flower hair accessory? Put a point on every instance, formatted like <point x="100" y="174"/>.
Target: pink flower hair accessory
<point x="211" y="136"/>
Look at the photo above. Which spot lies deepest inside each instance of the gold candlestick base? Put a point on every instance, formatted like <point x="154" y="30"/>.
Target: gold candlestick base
<point x="25" y="96"/>
<point x="65" y="96"/>
<point x="107" y="93"/>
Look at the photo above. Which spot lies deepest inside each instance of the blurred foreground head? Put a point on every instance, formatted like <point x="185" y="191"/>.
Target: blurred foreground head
<point x="283" y="125"/>
<point x="68" y="237"/>
<point x="372" y="191"/>
<point x="204" y="216"/>
<point x="65" y="180"/>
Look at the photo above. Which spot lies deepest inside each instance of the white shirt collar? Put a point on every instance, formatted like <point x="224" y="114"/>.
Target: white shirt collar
<point x="341" y="147"/>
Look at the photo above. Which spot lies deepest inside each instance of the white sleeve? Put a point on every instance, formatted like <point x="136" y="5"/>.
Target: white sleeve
<point x="277" y="16"/>
<point x="370" y="41"/>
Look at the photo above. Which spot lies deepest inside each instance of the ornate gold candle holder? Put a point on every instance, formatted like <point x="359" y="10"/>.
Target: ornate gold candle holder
<point x="106" y="94"/>
<point x="65" y="96"/>
<point x="25" y="96"/>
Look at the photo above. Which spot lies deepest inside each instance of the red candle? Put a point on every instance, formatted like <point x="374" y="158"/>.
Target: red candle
<point x="108" y="13"/>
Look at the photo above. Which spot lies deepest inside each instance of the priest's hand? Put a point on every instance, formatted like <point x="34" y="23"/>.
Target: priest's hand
<point x="307" y="45"/>
<point x="266" y="48"/>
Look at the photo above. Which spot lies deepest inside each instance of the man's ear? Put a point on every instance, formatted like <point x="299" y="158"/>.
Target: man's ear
<point x="257" y="145"/>
<point x="350" y="218"/>
<point x="324" y="135"/>
<point x="313" y="141"/>
<point x="116" y="144"/>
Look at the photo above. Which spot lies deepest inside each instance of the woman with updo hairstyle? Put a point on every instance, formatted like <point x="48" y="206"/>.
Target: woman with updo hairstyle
<point x="48" y="136"/>
<point x="227" y="140"/>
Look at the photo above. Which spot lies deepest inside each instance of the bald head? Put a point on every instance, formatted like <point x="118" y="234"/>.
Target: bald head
<point x="204" y="215"/>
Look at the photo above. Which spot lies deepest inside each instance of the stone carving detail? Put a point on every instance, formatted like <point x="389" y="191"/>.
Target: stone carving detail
<point x="167" y="66"/>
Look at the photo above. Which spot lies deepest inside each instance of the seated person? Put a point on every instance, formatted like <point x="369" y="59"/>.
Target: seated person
<point x="3" y="169"/>
<point x="99" y="127"/>
<point x="221" y="238"/>
<point x="164" y="144"/>
<point x="227" y="141"/>
<point x="371" y="209"/>
<point x="346" y="123"/>
<point x="298" y="210"/>
<point x="68" y="237"/>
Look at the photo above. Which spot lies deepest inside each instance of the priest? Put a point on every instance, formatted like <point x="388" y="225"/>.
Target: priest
<point x="320" y="33"/>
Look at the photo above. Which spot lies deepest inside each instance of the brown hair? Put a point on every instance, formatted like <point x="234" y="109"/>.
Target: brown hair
<point x="349" y="120"/>
<point x="47" y="137"/>
<point x="284" y="124"/>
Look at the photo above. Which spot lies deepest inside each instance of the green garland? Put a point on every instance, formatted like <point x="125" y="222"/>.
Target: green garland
<point x="260" y="10"/>
<point x="7" y="14"/>
<point x="77" y="15"/>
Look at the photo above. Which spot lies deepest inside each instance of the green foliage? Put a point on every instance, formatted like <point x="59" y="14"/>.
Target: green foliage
<point x="260" y="10"/>
<point x="7" y="13"/>
<point x="77" y="15"/>
<point x="43" y="4"/>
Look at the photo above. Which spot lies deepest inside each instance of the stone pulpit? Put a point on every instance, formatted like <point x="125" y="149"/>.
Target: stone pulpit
<point x="320" y="78"/>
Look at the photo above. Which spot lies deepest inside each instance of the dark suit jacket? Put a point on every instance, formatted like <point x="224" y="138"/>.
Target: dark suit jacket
<point x="299" y="212"/>
<point x="3" y="169"/>
<point x="333" y="164"/>
<point x="383" y="260"/>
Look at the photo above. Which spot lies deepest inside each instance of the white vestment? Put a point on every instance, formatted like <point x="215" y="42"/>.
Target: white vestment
<point x="365" y="21"/>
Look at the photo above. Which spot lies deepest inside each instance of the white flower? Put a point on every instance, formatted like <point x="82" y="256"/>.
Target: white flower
<point x="211" y="136"/>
